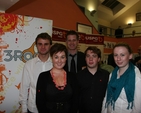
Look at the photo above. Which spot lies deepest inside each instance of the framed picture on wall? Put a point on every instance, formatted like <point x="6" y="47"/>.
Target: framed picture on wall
<point x="84" y="28"/>
<point x="138" y="16"/>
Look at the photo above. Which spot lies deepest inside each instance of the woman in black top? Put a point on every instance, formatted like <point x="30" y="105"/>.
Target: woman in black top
<point x="57" y="89"/>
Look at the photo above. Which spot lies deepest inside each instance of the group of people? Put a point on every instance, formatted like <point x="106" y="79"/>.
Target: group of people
<point x="61" y="79"/>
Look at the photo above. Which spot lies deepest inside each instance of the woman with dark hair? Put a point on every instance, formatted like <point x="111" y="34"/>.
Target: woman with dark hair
<point x="56" y="90"/>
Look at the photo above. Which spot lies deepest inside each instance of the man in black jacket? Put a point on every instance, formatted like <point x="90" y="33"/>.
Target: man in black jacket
<point x="137" y="59"/>
<point x="92" y="83"/>
<point x="119" y="32"/>
<point x="72" y="41"/>
<point x="111" y="60"/>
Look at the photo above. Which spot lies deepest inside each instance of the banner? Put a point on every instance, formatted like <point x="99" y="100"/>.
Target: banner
<point x="17" y="36"/>
<point x="59" y="35"/>
<point x="95" y="40"/>
<point x="82" y="41"/>
<point x="85" y="40"/>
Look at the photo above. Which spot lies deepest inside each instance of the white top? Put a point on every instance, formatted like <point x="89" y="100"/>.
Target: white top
<point x="121" y="103"/>
<point x="31" y="71"/>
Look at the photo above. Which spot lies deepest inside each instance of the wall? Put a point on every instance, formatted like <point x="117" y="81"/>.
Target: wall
<point x="92" y="5"/>
<point x="134" y="42"/>
<point x="93" y="18"/>
<point x="103" y="22"/>
<point x="129" y="29"/>
<point x="65" y="13"/>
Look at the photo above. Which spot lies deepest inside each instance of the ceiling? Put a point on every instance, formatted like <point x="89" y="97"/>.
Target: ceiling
<point x="5" y="4"/>
<point x="103" y="11"/>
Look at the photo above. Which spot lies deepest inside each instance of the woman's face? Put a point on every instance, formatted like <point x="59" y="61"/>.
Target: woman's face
<point x="59" y="60"/>
<point x="122" y="56"/>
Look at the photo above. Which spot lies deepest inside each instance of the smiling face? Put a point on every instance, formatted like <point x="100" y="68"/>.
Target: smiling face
<point x="122" y="56"/>
<point x="72" y="42"/>
<point x="59" y="60"/>
<point x="92" y="59"/>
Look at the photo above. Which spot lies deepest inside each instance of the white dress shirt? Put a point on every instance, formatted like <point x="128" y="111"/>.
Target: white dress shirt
<point x="31" y="71"/>
<point x="121" y="103"/>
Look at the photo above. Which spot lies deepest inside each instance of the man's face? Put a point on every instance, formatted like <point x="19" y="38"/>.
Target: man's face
<point x="43" y="46"/>
<point x="92" y="59"/>
<point x="72" y="42"/>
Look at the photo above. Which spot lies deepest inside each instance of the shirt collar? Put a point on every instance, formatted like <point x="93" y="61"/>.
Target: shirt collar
<point x="38" y="60"/>
<point x="70" y="54"/>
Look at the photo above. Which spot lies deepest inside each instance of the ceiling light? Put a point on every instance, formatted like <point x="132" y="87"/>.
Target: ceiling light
<point x="93" y="12"/>
<point x="129" y="24"/>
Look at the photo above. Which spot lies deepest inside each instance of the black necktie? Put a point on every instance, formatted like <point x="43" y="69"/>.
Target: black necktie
<point x="72" y="66"/>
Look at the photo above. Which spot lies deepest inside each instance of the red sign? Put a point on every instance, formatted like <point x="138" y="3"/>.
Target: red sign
<point x="82" y="37"/>
<point x="59" y="34"/>
<point x="94" y="39"/>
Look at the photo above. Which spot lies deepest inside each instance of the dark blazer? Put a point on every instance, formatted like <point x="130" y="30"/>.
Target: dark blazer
<point x="119" y="33"/>
<point x="92" y="89"/>
<point x="80" y="61"/>
<point x="136" y="60"/>
<point x="111" y="60"/>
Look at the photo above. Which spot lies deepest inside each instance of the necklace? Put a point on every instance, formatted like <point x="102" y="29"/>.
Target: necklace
<point x="59" y="82"/>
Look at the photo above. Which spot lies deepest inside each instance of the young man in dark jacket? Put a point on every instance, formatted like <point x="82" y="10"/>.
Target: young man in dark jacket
<point x="92" y="83"/>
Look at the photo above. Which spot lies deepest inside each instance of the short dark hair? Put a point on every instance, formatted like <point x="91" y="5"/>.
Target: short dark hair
<point x="95" y="50"/>
<point x="72" y="32"/>
<point x="58" y="47"/>
<point x="123" y="44"/>
<point x="44" y="36"/>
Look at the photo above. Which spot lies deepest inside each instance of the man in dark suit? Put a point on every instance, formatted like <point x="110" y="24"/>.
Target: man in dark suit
<point x="119" y="32"/>
<point x="111" y="60"/>
<point x="72" y="41"/>
<point x="137" y="59"/>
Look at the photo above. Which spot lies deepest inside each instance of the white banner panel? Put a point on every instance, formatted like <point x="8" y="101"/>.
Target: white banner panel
<point x="17" y="36"/>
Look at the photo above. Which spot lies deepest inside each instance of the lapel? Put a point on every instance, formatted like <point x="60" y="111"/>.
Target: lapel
<point x="79" y="61"/>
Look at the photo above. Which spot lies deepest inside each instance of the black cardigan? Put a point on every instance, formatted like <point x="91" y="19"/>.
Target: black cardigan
<point x="48" y="96"/>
